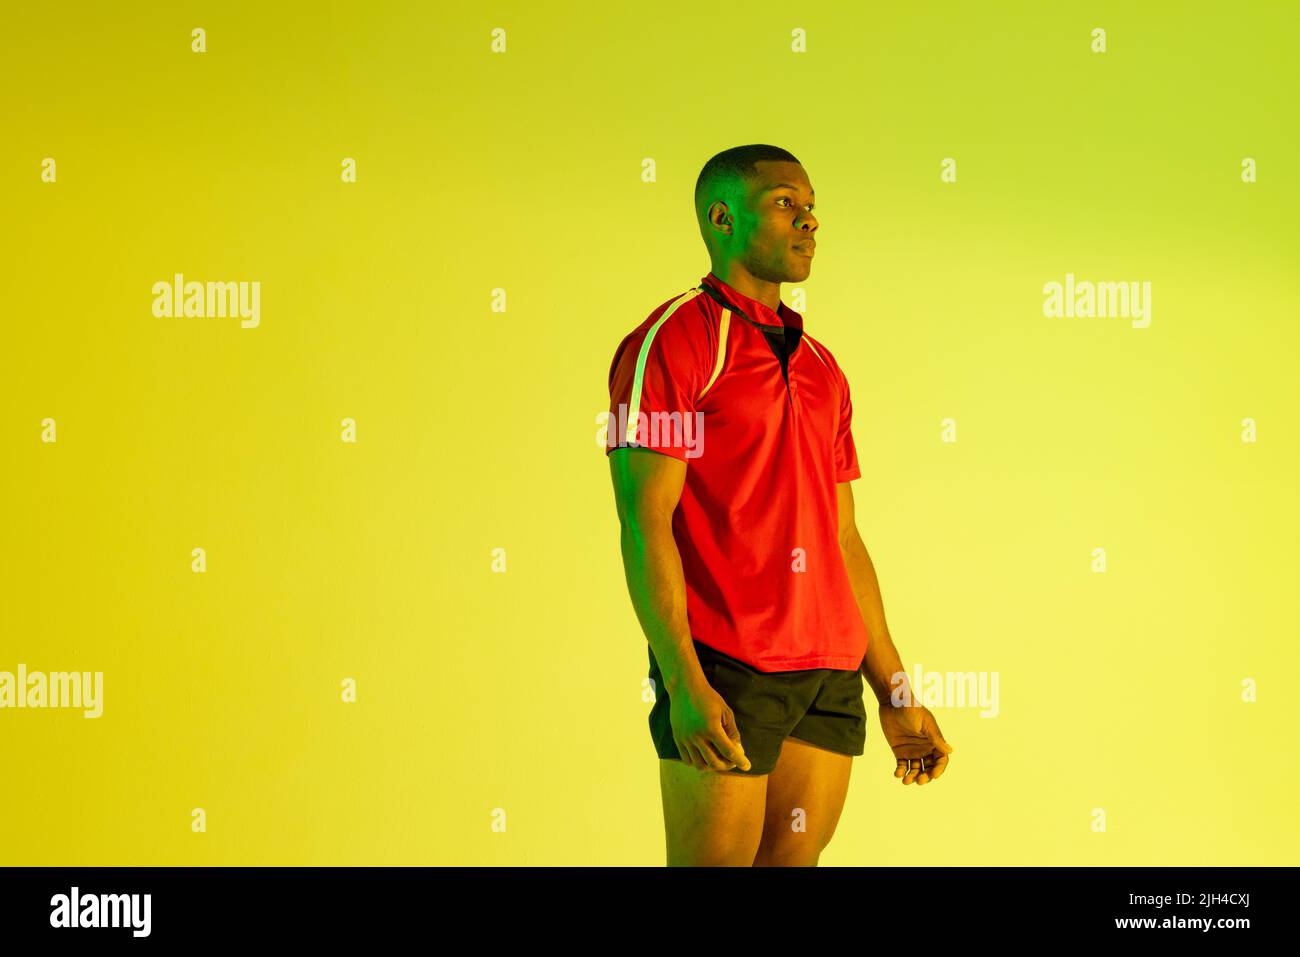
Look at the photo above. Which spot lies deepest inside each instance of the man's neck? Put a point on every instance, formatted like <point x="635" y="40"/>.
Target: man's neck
<point x="740" y="279"/>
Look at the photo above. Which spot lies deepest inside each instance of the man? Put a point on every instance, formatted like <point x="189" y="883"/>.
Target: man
<point x="731" y="456"/>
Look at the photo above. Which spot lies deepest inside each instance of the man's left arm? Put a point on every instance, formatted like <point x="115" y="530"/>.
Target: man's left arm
<point x="910" y="729"/>
<point x="882" y="662"/>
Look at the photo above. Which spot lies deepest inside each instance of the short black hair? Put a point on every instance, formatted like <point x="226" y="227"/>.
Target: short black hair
<point x="738" y="162"/>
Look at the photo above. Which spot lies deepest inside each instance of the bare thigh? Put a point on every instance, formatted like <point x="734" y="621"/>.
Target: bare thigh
<point x="805" y="795"/>
<point x="711" y="818"/>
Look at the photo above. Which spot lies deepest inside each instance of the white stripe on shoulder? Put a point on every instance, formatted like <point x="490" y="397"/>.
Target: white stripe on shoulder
<point x="723" y="328"/>
<point x="637" y="379"/>
<point x="818" y="354"/>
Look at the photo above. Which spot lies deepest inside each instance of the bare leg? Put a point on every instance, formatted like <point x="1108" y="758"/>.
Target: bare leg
<point x="711" y="818"/>
<point x="805" y="794"/>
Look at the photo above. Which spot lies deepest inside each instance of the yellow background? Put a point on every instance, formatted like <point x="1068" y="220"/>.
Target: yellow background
<point x="476" y="429"/>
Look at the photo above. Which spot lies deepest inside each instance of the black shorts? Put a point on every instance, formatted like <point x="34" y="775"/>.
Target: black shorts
<point x="822" y="706"/>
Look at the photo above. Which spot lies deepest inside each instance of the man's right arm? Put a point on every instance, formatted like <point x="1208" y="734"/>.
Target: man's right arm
<point x="647" y="488"/>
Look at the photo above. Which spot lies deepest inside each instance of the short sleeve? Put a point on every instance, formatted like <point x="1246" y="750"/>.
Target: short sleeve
<point x="846" y="453"/>
<point x="653" y="385"/>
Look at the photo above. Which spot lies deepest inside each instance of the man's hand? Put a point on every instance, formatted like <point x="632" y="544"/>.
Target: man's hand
<point x="914" y="736"/>
<point x="704" y="728"/>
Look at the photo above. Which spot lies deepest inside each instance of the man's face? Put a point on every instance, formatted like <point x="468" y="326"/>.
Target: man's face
<point x="775" y="228"/>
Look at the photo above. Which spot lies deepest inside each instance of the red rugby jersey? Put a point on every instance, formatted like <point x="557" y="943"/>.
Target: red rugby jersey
<point x="757" y="524"/>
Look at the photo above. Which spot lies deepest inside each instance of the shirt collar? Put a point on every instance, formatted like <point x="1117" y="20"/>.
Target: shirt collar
<point x="753" y="310"/>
